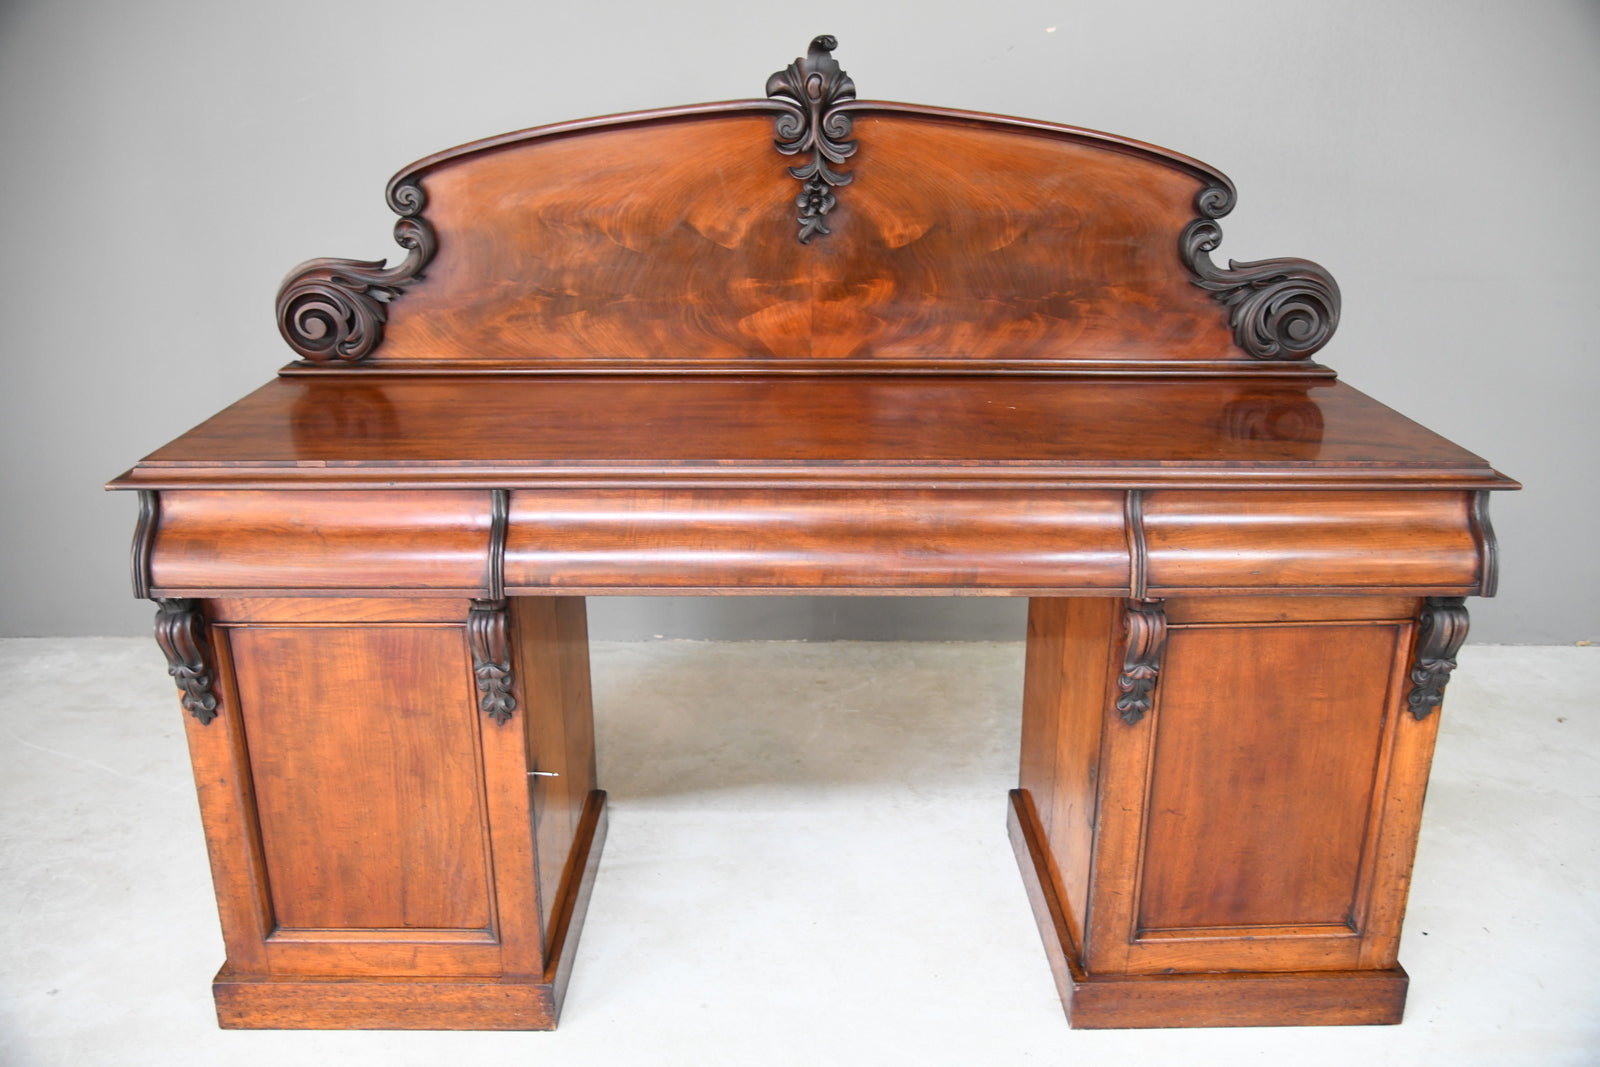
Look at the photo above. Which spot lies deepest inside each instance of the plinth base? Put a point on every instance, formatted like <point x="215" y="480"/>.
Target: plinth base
<point x="1232" y="998"/>
<point x="297" y="1002"/>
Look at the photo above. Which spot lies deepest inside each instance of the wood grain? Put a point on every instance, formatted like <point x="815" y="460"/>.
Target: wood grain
<point x="826" y="539"/>
<point x="1064" y="694"/>
<point x="1259" y="819"/>
<point x="363" y="748"/>
<point x="1287" y="723"/>
<point x="782" y="432"/>
<point x="961" y="237"/>
<point x="1379" y="541"/>
<point x="425" y="543"/>
<point x="1123" y="1001"/>
<point x="552" y="651"/>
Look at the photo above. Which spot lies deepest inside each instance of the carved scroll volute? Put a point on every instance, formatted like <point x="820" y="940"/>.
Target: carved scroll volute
<point x="1278" y="308"/>
<point x="813" y="87"/>
<point x="1146" y="624"/>
<point x="335" y="309"/>
<point x="489" y="637"/>
<point x="181" y="633"/>
<point x="1441" y="630"/>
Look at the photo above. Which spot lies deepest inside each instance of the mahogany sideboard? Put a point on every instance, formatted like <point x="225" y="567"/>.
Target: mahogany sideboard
<point x="810" y="344"/>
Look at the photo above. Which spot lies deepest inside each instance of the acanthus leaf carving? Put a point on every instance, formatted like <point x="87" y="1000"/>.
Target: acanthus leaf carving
<point x="181" y="633"/>
<point x="1441" y="630"/>
<point x="1280" y="309"/>
<point x="813" y="87"/>
<point x="488" y="636"/>
<point x="1146" y="623"/>
<point x="335" y="309"/>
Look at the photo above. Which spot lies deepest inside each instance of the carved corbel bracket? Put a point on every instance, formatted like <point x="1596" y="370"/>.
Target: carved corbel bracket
<point x="813" y="87"/>
<point x="1279" y="308"/>
<point x="335" y="309"/>
<point x="1441" y="629"/>
<point x="181" y="633"/>
<point x="488" y="635"/>
<point x="1146" y="622"/>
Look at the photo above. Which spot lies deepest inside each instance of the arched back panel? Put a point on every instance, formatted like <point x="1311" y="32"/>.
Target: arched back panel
<point x="826" y="234"/>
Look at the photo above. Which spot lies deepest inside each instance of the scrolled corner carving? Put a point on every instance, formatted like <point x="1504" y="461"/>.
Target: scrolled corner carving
<point x="181" y="633"/>
<point x="1146" y="622"/>
<point x="1281" y="309"/>
<point x="335" y="309"/>
<point x="812" y="88"/>
<point x="1441" y="630"/>
<point x="488" y="636"/>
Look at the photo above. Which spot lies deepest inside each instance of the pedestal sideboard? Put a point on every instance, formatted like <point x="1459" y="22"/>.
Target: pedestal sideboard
<point x="810" y="344"/>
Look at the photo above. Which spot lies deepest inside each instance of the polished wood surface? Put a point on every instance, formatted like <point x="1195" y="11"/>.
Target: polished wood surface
<point x="1257" y="820"/>
<point x="1216" y="998"/>
<point x="378" y="431"/>
<point x="673" y="239"/>
<point x="977" y="356"/>
<point x="904" y="541"/>
<point x="366" y="820"/>
<point x="428" y="543"/>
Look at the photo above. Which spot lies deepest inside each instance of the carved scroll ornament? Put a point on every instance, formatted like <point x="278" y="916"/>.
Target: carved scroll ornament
<point x="491" y="658"/>
<point x="335" y="309"/>
<point x="1441" y="629"/>
<point x="181" y="633"/>
<point x="1278" y="308"/>
<point x="813" y="87"/>
<point x="1141" y="658"/>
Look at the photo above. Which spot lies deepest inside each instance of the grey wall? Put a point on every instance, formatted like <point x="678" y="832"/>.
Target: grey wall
<point x="165" y="162"/>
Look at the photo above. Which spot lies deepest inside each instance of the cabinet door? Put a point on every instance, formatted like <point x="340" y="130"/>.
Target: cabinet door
<point x="1263" y="814"/>
<point x="365" y="817"/>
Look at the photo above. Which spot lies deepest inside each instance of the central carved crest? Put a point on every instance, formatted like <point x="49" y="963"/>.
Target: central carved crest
<point x="814" y="86"/>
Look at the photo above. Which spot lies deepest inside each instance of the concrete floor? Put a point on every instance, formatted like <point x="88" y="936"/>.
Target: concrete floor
<point x="807" y="865"/>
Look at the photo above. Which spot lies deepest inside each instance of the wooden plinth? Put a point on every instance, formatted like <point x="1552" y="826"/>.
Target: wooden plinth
<point x="247" y="1002"/>
<point x="1109" y="1002"/>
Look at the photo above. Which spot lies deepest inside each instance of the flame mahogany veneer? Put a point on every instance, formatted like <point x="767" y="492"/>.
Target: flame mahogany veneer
<point x="810" y="344"/>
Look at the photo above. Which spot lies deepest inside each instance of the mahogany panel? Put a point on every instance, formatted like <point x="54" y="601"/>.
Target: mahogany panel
<point x="1064" y="694"/>
<point x="1261" y="815"/>
<point x="821" y="539"/>
<point x="1392" y="540"/>
<point x="434" y="1002"/>
<point x="256" y="1002"/>
<point x="230" y="542"/>
<point x="1246" y="610"/>
<point x="968" y="238"/>
<point x="226" y="793"/>
<point x="1169" y="999"/>
<point x="552" y="652"/>
<point x="1286" y="723"/>
<point x="346" y="610"/>
<point x="364" y="754"/>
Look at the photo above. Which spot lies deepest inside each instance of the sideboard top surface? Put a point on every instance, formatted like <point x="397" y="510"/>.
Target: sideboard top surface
<point x="390" y="431"/>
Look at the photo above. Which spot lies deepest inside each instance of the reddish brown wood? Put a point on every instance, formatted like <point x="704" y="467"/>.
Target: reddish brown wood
<point x="1310" y="541"/>
<point x="1002" y="361"/>
<point x="347" y="746"/>
<point x="907" y="540"/>
<point x="1118" y="1001"/>
<point x="1063" y="702"/>
<point x="553" y="648"/>
<point x="286" y="542"/>
<point x="1261" y="818"/>
<point x="377" y="825"/>
<point x="389" y="432"/>
<point x="676" y="238"/>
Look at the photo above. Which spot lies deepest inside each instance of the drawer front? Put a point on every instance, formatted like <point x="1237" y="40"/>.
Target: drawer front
<point x="1326" y="542"/>
<point x="839" y="540"/>
<point x="251" y="542"/>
